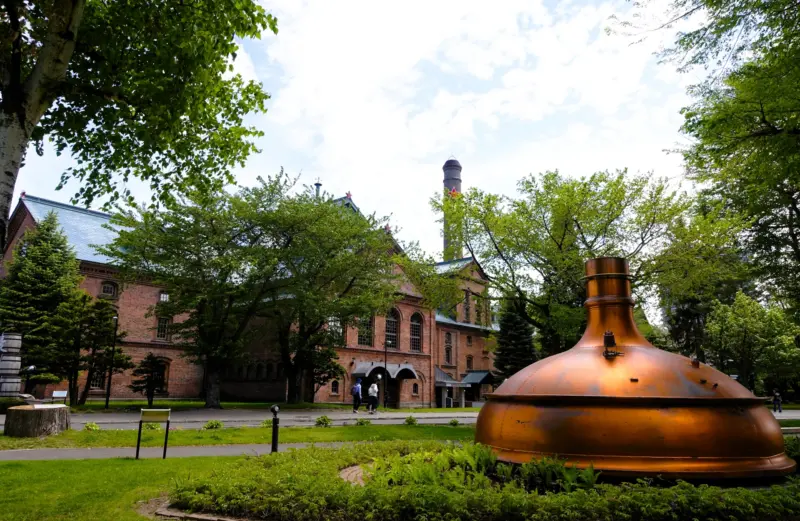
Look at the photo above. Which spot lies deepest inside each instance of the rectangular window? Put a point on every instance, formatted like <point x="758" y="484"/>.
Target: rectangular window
<point x="365" y="331"/>
<point x="467" y="307"/>
<point x="162" y="331"/>
<point x="163" y="297"/>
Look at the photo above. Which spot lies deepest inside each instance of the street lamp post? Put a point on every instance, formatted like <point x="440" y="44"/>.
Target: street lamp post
<point x="111" y="362"/>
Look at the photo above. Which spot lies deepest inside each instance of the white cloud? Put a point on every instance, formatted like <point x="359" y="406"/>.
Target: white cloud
<point x="372" y="97"/>
<point x="376" y="96"/>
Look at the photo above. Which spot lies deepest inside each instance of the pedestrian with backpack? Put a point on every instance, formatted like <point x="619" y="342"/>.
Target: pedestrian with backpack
<point x="356" y="392"/>
<point x="776" y="401"/>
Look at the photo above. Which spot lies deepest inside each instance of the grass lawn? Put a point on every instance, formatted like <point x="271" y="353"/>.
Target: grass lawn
<point x="241" y="435"/>
<point x="184" y="405"/>
<point x="90" y="489"/>
<point x="789" y="423"/>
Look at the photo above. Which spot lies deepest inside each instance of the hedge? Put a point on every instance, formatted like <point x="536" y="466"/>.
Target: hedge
<point x="304" y="485"/>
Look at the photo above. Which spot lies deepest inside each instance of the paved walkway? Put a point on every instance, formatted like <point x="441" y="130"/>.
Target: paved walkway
<point x="194" y="419"/>
<point x="152" y="452"/>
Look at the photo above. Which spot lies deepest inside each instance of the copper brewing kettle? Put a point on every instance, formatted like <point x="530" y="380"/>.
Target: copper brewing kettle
<point x="616" y="402"/>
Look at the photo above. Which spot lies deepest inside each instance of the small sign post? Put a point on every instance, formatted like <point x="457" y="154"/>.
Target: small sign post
<point x="153" y="416"/>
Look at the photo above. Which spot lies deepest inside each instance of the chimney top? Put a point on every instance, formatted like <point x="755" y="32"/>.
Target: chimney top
<point x="452" y="163"/>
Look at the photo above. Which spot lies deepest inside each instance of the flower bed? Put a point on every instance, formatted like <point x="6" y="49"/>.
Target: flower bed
<point x="433" y="481"/>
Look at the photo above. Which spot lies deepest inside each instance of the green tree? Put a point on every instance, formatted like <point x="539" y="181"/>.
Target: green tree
<point x="42" y="275"/>
<point x="515" y="349"/>
<point x="533" y="247"/>
<point x="719" y="34"/>
<point x="82" y="333"/>
<point x="752" y="341"/>
<point x="745" y="154"/>
<point x="130" y="88"/>
<point x="339" y="265"/>
<point x="149" y="377"/>
<point x="219" y="257"/>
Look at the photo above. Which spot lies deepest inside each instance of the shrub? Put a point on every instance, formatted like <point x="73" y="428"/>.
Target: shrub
<point x="213" y="424"/>
<point x="454" y="422"/>
<point x="267" y="424"/>
<point x="439" y="481"/>
<point x="151" y="427"/>
<point x="91" y="427"/>
<point x="792" y="447"/>
<point x="5" y="403"/>
<point x="323" y="421"/>
<point x="411" y="421"/>
<point x="363" y="422"/>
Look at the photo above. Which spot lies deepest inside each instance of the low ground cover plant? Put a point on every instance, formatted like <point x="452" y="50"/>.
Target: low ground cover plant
<point x="323" y="421"/>
<point x="91" y="427"/>
<point x="435" y="481"/>
<point x="213" y="424"/>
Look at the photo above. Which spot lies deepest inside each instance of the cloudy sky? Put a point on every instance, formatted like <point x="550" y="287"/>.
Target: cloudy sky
<point x="373" y="97"/>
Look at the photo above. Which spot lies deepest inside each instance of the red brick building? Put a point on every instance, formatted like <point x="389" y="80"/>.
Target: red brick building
<point x="426" y="358"/>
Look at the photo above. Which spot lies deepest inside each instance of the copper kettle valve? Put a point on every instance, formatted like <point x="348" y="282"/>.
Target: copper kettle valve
<point x="609" y="341"/>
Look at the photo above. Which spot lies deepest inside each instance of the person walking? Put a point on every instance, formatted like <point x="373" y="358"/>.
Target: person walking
<point x="356" y="392"/>
<point x="776" y="401"/>
<point x="373" y="398"/>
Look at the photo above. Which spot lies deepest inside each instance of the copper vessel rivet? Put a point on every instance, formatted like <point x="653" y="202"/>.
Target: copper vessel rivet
<point x="577" y="405"/>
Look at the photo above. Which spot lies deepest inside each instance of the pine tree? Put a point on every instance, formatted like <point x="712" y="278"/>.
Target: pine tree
<point x="149" y="376"/>
<point x="42" y="274"/>
<point x="515" y="349"/>
<point x="82" y="332"/>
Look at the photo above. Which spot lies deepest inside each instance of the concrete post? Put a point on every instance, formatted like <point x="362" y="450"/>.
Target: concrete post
<point x="461" y="393"/>
<point x="10" y="362"/>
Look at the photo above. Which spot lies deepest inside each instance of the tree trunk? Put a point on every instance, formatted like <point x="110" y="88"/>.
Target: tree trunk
<point x="27" y="421"/>
<point x="212" y="390"/>
<point x="85" y="392"/>
<point x="291" y="386"/>
<point x="13" y="143"/>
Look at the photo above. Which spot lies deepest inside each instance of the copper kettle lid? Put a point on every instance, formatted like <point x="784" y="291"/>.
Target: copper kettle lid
<point x="616" y="402"/>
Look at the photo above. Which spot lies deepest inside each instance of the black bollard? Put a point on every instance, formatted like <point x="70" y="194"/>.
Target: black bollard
<point x="275" y="424"/>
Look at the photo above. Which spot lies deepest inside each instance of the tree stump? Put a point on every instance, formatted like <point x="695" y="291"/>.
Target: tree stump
<point x="33" y="421"/>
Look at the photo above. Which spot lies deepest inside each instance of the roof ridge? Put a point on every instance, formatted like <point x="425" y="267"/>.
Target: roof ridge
<point x="65" y="206"/>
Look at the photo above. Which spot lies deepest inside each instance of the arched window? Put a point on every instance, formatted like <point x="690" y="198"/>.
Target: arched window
<point x="365" y="329"/>
<point x="392" y="322"/>
<point x="448" y="355"/>
<point x="269" y="372"/>
<point x="161" y="376"/>
<point x="416" y="332"/>
<point x="109" y="289"/>
<point x="260" y="372"/>
<point x="335" y="387"/>
<point x="336" y="331"/>
<point x="469" y="340"/>
<point x="469" y="363"/>
<point x="415" y="389"/>
<point x="98" y="380"/>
